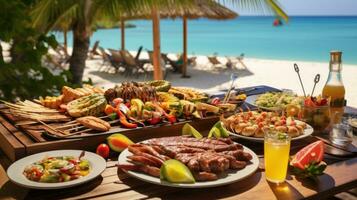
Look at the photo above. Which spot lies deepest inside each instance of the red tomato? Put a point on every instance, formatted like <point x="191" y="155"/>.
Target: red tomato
<point x="103" y="150"/>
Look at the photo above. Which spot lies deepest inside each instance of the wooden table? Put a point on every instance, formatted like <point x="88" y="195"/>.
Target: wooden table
<point x="339" y="176"/>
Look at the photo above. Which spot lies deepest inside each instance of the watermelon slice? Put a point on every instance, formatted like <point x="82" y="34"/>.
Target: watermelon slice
<point x="313" y="153"/>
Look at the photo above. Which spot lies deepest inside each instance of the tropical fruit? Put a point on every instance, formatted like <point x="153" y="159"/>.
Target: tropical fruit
<point x="313" y="153"/>
<point x="91" y="105"/>
<point x="51" y="102"/>
<point x="187" y="129"/>
<point x="176" y="172"/>
<point x="118" y="142"/>
<point x="308" y="161"/>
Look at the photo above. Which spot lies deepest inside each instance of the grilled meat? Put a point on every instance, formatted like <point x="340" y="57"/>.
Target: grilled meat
<point x="204" y="143"/>
<point x="206" y="158"/>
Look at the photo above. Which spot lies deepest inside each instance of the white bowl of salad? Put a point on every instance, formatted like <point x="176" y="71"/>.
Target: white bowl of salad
<point x="56" y="169"/>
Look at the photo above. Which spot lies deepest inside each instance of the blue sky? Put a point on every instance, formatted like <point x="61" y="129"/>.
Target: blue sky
<point x="312" y="7"/>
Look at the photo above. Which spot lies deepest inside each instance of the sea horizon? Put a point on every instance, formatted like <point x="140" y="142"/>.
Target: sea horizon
<point x="303" y="38"/>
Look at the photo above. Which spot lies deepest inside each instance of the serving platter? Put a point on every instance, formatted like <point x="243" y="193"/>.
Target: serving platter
<point x="251" y="101"/>
<point x="15" y="171"/>
<point x="307" y="132"/>
<point x="227" y="178"/>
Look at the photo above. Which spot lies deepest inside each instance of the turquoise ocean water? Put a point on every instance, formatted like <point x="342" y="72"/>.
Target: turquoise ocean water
<point x="303" y="38"/>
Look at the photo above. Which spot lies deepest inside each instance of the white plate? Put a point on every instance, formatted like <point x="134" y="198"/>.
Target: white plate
<point x="15" y="171"/>
<point x="251" y="100"/>
<point x="232" y="175"/>
<point x="307" y="132"/>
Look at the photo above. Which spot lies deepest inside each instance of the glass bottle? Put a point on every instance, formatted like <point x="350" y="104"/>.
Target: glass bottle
<point x="334" y="88"/>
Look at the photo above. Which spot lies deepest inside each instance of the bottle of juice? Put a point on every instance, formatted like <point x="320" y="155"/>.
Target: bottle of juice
<point x="334" y="88"/>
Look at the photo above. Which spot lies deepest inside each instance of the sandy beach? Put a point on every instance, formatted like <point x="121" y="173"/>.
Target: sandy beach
<point x="205" y="76"/>
<point x="275" y="73"/>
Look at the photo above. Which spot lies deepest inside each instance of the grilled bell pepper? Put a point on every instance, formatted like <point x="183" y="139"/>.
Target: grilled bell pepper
<point x="170" y="118"/>
<point x="124" y="121"/>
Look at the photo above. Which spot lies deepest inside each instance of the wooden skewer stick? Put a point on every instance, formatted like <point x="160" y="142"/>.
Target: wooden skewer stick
<point x="50" y="127"/>
<point x="297" y="70"/>
<point x="74" y="133"/>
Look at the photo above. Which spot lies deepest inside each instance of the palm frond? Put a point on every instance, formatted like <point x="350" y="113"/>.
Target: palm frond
<point x="47" y="13"/>
<point x="265" y="6"/>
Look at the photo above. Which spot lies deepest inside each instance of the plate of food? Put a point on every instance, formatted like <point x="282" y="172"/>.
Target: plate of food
<point x="251" y="125"/>
<point x="274" y="101"/>
<point x="205" y="162"/>
<point x="56" y="169"/>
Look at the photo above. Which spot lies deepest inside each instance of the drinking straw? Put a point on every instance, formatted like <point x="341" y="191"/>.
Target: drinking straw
<point x="296" y="67"/>
<point x="316" y="80"/>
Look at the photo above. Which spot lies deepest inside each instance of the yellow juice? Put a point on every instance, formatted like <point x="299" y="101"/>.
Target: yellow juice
<point x="276" y="156"/>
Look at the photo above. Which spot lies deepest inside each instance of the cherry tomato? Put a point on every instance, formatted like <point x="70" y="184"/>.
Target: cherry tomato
<point x="103" y="150"/>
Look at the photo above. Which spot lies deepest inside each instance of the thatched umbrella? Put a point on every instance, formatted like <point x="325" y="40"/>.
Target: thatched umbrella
<point x="198" y="9"/>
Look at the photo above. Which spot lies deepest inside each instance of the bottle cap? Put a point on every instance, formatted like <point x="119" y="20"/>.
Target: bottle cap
<point x="335" y="56"/>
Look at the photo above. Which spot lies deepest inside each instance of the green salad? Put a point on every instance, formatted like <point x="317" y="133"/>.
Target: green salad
<point x="57" y="169"/>
<point x="278" y="100"/>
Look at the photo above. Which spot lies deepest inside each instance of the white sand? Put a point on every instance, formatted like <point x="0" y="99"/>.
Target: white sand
<point x="275" y="73"/>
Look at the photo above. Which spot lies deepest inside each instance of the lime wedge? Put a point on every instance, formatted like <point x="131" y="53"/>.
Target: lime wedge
<point x="187" y="129"/>
<point x="224" y="132"/>
<point x="176" y="172"/>
<point x="215" y="132"/>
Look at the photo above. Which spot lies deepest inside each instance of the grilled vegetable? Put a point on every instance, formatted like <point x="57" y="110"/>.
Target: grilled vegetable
<point x="160" y="85"/>
<point x="91" y="105"/>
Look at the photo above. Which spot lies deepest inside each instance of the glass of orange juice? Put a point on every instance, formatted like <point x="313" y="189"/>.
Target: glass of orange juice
<point x="276" y="156"/>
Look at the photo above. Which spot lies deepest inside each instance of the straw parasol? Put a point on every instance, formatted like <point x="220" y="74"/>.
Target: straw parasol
<point x="198" y="9"/>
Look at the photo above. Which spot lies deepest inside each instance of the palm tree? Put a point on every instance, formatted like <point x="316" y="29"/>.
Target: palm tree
<point x="82" y="15"/>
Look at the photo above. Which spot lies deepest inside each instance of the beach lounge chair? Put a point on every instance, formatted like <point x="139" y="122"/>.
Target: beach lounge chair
<point x="240" y="60"/>
<point x="177" y="64"/>
<point x="94" y="51"/>
<point x="105" y="56"/>
<point x="116" y="60"/>
<point x="216" y="63"/>
<point x="234" y="61"/>
<point x="133" y="66"/>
